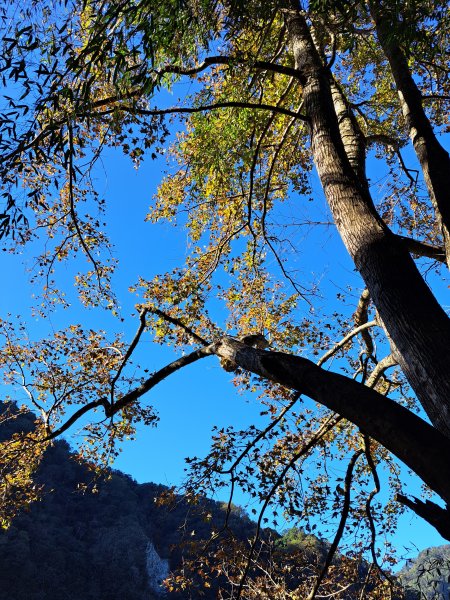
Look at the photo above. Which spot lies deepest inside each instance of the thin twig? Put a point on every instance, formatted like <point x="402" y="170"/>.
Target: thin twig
<point x="344" y="340"/>
<point x="262" y="434"/>
<point x="129" y="352"/>
<point x="394" y="145"/>
<point x="73" y="212"/>
<point x="341" y="526"/>
<point x="330" y="422"/>
<point x="179" y="323"/>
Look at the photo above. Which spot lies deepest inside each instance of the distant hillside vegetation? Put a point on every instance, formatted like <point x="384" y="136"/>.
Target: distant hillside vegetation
<point x="118" y="543"/>
<point x="95" y="546"/>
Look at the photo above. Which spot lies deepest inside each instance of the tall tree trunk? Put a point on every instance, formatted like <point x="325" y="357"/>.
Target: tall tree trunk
<point x="418" y="326"/>
<point x="433" y="158"/>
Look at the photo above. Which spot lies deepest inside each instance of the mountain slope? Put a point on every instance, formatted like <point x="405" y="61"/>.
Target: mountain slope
<point x="115" y="544"/>
<point x="427" y="576"/>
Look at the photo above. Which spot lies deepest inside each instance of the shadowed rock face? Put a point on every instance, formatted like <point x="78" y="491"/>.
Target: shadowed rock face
<point x="157" y="570"/>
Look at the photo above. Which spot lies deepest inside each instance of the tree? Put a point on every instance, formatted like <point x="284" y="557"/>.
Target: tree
<point x="278" y="87"/>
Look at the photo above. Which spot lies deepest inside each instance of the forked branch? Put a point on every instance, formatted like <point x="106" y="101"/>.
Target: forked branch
<point x="134" y="394"/>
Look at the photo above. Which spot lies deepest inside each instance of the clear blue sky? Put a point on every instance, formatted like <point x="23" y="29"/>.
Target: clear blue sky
<point x="191" y="401"/>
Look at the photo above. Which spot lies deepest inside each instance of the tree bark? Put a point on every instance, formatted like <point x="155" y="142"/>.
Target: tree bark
<point x="433" y="158"/>
<point x="351" y="135"/>
<point x="415" y="321"/>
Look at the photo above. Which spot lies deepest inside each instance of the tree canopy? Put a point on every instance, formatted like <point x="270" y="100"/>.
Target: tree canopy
<point x="288" y="103"/>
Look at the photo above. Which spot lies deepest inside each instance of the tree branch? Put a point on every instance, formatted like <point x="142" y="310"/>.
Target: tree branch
<point x="23" y="146"/>
<point x="346" y="339"/>
<point x="442" y="97"/>
<point x="420" y="446"/>
<point x="384" y="364"/>
<point x="330" y="422"/>
<point x="77" y="415"/>
<point x="160" y="375"/>
<point x="394" y="145"/>
<point x="370" y="497"/>
<point x="130" y="351"/>
<point x="361" y="316"/>
<point x="73" y="213"/>
<point x="179" y="323"/>
<point x="135" y="394"/>
<point x="261" y="435"/>
<point x="423" y="249"/>
<point x="195" y="109"/>
<point x="342" y="521"/>
<point x="260" y="65"/>
<point x="431" y="512"/>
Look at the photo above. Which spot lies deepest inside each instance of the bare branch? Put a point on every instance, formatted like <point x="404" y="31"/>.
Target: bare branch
<point x="346" y="339"/>
<point x="442" y="97"/>
<point x="423" y="249"/>
<point x="73" y="213"/>
<point x="195" y="109"/>
<point x="135" y="394"/>
<point x="361" y="313"/>
<point x="77" y="415"/>
<point x="384" y="364"/>
<point x="330" y="422"/>
<point x="160" y="375"/>
<point x="395" y="145"/>
<point x="431" y="512"/>
<point x="361" y="316"/>
<point x="333" y="50"/>
<point x="130" y="351"/>
<point x="38" y="140"/>
<point x="370" y="497"/>
<point x="260" y="65"/>
<point x="261" y="435"/>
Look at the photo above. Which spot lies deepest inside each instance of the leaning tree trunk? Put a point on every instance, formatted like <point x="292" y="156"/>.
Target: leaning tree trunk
<point x="415" y="442"/>
<point x="418" y="326"/>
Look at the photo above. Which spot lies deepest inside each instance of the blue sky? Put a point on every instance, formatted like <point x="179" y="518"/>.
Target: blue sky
<point x="191" y="402"/>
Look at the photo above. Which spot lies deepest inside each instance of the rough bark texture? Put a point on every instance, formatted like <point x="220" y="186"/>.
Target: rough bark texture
<point x="413" y="318"/>
<point x="415" y="442"/>
<point x="433" y="158"/>
<point x="351" y="135"/>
